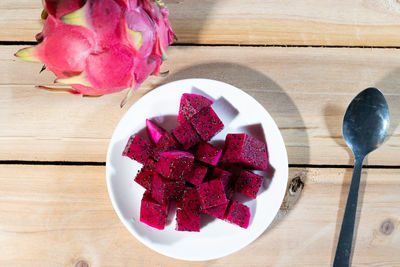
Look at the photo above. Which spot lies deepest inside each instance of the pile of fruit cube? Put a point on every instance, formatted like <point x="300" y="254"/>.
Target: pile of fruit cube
<point x="183" y="167"/>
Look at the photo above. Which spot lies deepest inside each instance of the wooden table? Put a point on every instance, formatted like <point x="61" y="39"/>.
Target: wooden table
<point x="302" y="60"/>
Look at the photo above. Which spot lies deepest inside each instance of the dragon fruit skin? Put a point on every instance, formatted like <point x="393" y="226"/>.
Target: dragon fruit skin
<point x="102" y="46"/>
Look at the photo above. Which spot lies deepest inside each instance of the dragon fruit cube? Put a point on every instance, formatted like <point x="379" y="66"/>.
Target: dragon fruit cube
<point x="191" y="104"/>
<point x="248" y="183"/>
<point x="217" y="211"/>
<point x="175" y="165"/>
<point x="238" y="214"/>
<point x="145" y="175"/>
<point x="211" y="194"/>
<point x="145" y="178"/>
<point x="154" y="131"/>
<point x="186" y="135"/>
<point x="208" y="153"/>
<point x="137" y="148"/>
<point x="188" y="220"/>
<point x="206" y="123"/>
<point x="164" y="144"/>
<point x="153" y="213"/>
<point x="197" y="175"/>
<point x="164" y="190"/>
<point x="228" y="180"/>
<point x="191" y="199"/>
<point x="246" y="151"/>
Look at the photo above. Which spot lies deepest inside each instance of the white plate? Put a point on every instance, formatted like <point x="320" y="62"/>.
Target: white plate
<point x="240" y="113"/>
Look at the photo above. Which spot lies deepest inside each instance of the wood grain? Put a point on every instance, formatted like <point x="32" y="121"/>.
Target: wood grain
<point x="306" y="90"/>
<point x="60" y="215"/>
<point x="302" y="22"/>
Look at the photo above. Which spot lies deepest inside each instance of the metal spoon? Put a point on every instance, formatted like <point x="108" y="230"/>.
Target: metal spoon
<point x="365" y="126"/>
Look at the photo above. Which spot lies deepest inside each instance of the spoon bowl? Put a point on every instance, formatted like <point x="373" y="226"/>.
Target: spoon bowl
<point x="365" y="126"/>
<point x="366" y="122"/>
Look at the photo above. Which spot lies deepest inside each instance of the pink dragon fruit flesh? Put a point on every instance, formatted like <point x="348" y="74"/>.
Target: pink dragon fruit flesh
<point x="154" y="131"/>
<point x="186" y="135"/>
<point x="238" y="213"/>
<point x="137" y="148"/>
<point x="208" y="153"/>
<point x="166" y="143"/>
<point x="144" y="178"/>
<point x="164" y="190"/>
<point x="99" y="47"/>
<point x="211" y="194"/>
<point x="191" y="199"/>
<point x="246" y="151"/>
<point x="153" y="213"/>
<point x="207" y="123"/>
<point x="248" y="183"/>
<point x="191" y="104"/>
<point x="197" y="175"/>
<point x="175" y="165"/>
<point x="188" y="220"/>
<point x="217" y="211"/>
<point x="227" y="179"/>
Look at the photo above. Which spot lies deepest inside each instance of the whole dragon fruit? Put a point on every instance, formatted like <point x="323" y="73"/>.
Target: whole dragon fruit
<point x="102" y="46"/>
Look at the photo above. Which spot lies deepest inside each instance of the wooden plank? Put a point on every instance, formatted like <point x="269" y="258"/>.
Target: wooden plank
<point x="302" y="22"/>
<point x="59" y="215"/>
<point x="306" y="90"/>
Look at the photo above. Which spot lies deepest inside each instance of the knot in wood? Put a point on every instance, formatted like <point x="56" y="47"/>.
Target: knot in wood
<point x="387" y="227"/>
<point x="81" y="263"/>
<point x="296" y="185"/>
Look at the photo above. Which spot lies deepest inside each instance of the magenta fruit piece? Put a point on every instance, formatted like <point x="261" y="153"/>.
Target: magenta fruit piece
<point x="248" y="183"/>
<point x="211" y="194"/>
<point x="246" y="151"/>
<point x="137" y="148"/>
<point x="238" y="214"/>
<point x="208" y="153"/>
<point x="191" y="104"/>
<point x="154" y="130"/>
<point x="175" y="165"/>
<point x="187" y="220"/>
<point x="186" y="135"/>
<point x="164" y="190"/>
<point x="197" y="175"/>
<point x="207" y="123"/>
<point x="153" y="213"/>
<point x="217" y="211"/>
<point x="191" y="199"/>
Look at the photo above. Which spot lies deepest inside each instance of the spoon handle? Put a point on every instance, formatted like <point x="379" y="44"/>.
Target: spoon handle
<point x="343" y="250"/>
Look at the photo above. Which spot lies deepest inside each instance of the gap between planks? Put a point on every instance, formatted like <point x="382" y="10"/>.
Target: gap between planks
<point x="11" y="43"/>
<point x="94" y="163"/>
